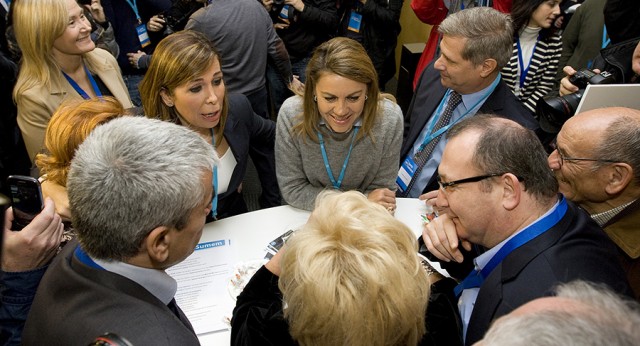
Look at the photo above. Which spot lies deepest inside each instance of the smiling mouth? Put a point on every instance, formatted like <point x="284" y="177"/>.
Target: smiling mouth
<point x="342" y="119"/>
<point x="84" y="38"/>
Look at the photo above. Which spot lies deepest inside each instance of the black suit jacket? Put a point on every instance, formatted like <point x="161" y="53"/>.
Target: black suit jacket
<point x="429" y="92"/>
<point x="249" y="135"/>
<point x="76" y="303"/>
<point x="575" y="248"/>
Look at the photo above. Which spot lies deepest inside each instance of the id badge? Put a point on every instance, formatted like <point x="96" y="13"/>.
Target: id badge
<point x="143" y="35"/>
<point x="355" y="21"/>
<point x="405" y="173"/>
<point x="284" y="14"/>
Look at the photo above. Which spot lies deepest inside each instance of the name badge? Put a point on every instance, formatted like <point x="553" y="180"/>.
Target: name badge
<point x="143" y="35"/>
<point x="355" y="21"/>
<point x="284" y="14"/>
<point x="405" y="173"/>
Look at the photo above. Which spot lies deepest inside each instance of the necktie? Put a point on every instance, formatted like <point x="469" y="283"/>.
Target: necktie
<point x="421" y="157"/>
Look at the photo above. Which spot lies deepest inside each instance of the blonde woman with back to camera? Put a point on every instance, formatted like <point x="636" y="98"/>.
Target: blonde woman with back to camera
<point x="59" y="62"/>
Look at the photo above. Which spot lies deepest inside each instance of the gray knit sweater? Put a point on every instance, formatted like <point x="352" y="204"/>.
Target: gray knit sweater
<point x="372" y="165"/>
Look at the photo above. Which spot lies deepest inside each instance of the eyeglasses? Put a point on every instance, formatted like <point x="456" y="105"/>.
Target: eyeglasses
<point x="445" y="185"/>
<point x="564" y="158"/>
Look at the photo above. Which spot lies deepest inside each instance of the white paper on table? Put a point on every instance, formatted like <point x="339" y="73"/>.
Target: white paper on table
<point x="202" y="278"/>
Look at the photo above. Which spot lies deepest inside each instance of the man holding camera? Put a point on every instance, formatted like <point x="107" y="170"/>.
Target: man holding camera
<point x="139" y="192"/>
<point x="597" y="166"/>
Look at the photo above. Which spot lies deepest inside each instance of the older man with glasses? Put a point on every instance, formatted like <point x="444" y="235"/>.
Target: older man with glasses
<point x="597" y="165"/>
<point x="498" y="199"/>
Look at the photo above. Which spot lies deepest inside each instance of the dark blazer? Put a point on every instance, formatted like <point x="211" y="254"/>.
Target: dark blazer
<point x="249" y="135"/>
<point x="575" y="248"/>
<point x="429" y="92"/>
<point x="76" y="303"/>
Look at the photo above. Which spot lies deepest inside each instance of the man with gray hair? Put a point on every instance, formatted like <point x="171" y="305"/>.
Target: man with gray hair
<point x="463" y="81"/>
<point x="139" y="192"/>
<point x="581" y="313"/>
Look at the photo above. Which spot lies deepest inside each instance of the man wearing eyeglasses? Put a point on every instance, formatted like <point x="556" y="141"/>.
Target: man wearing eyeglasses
<point x="597" y="165"/>
<point x="498" y="199"/>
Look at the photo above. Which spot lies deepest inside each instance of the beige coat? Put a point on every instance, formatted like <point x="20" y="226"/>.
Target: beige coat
<point x="37" y="105"/>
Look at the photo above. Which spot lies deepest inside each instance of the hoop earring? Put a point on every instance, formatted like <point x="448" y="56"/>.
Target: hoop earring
<point x="366" y="97"/>
<point x="315" y="98"/>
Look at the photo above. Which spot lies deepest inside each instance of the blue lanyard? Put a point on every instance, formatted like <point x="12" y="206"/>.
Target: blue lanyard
<point x="525" y="70"/>
<point x="432" y="135"/>
<point x="336" y="184"/>
<point x="214" y="181"/>
<point x="605" y="38"/>
<point x="84" y="258"/>
<point x="79" y="89"/>
<point x="134" y="6"/>
<point x="476" y="278"/>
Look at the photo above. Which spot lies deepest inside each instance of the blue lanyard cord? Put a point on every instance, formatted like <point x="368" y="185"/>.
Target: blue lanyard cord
<point x="605" y="38"/>
<point x="134" y="6"/>
<point x="336" y="184"/>
<point x="433" y="135"/>
<point x="476" y="278"/>
<point x="77" y="88"/>
<point x="524" y="70"/>
<point x="214" y="181"/>
<point x="84" y="258"/>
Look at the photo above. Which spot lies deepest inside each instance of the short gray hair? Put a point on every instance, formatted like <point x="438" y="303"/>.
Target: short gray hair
<point x="621" y="142"/>
<point x="606" y="319"/>
<point x="132" y="175"/>
<point x="489" y="34"/>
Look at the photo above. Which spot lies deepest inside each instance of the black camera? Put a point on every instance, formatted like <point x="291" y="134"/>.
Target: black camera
<point x="176" y="17"/>
<point x="553" y="111"/>
<point x="278" y="2"/>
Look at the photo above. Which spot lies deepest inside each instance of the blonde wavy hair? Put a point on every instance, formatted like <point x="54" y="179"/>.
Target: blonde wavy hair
<point x="346" y="58"/>
<point x="351" y="276"/>
<point x="68" y="128"/>
<point x="37" y="24"/>
<point x="178" y="59"/>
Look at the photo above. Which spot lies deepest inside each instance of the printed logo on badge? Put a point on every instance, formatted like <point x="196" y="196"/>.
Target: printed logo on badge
<point x="355" y="21"/>
<point x="143" y="35"/>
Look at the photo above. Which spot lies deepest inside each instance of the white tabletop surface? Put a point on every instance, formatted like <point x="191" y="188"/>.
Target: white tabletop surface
<point x="251" y="232"/>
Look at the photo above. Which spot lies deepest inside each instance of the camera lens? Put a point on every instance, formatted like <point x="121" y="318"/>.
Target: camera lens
<point x="552" y="112"/>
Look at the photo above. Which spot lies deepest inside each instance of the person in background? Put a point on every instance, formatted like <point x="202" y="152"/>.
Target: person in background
<point x="350" y="276"/>
<point x="68" y="128"/>
<point x="101" y="30"/>
<point x="583" y="37"/>
<point x="302" y="25"/>
<point x="433" y="12"/>
<point x="580" y="313"/>
<point x="464" y="80"/>
<point x="340" y="132"/>
<point x="503" y="231"/>
<point x="194" y="95"/>
<point x="25" y="258"/>
<point x="145" y="215"/>
<point x="597" y="165"/>
<point x="244" y="34"/>
<point x="531" y="71"/>
<point x="138" y="26"/>
<point x="376" y="25"/>
<point x="59" y="62"/>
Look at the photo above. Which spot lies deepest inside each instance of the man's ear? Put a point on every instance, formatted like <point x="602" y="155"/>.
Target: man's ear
<point x="619" y="176"/>
<point x="158" y="244"/>
<point x="487" y="67"/>
<point x="167" y="99"/>
<point x="512" y="190"/>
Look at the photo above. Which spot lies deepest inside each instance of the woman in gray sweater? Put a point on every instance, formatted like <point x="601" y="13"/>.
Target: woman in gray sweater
<point x="340" y="133"/>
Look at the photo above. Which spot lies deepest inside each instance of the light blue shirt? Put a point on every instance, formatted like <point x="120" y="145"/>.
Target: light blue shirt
<point x="468" y="101"/>
<point x="156" y="281"/>
<point x="467" y="299"/>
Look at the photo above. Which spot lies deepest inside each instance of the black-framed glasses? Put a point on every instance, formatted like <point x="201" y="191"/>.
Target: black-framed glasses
<point x="445" y="185"/>
<point x="565" y="158"/>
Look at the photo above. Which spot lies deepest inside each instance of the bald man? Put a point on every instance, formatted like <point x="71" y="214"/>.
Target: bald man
<point x="597" y="165"/>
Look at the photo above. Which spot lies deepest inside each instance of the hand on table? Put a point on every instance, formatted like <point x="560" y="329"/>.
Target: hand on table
<point x="441" y="239"/>
<point x="156" y="23"/>
<point x="34" y="245"/>
<point x="384" y="197"/>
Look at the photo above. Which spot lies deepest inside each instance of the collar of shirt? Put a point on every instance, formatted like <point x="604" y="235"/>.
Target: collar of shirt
<point x="604" y="217"/>
<point x="484" y="258"/>
<point x="156" y="281"/>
